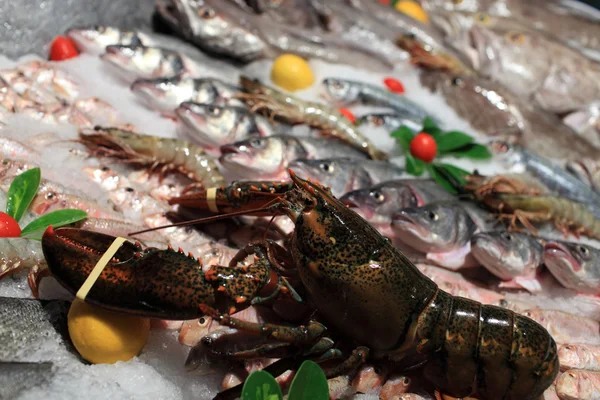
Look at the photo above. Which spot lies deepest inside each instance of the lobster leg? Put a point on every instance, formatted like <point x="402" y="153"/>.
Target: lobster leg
<point x="355" y="360"/>
<point x="278" y="350"/>
<point x="298" y="334"/>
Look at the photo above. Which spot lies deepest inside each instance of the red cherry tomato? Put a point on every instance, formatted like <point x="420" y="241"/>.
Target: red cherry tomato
<point x="394" y="85"/>
<point x="8" y="226"/>
<point x="423" y="147"/>
<point x="62" y="49"/>
<point x="348" y="114"/>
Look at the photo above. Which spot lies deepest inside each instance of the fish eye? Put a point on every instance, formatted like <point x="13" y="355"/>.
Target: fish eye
<point x="483" y="18"/>
<point x="49" y="195"/>
<point x="215" y="111"/>
<point x="507" y="236"/>
<point x="458" y="82"/>
<point x="257" y="143"/>
<point x="5" y="162"/>
<point x="432" y="216"/>
<point x="337" y="84"/>
<point x="104" y="169"/>
<point x="405" y="381"/>
<point x="516" y="37"/>
<point x="327" y="167"/>
<point x="206" y="12"/>
<point x="377" y="121"/>
<point x="202" y="321"/>
<point x="129" y="189"/>
<point x="378" y="196"/>
<point x="583" y="250"/>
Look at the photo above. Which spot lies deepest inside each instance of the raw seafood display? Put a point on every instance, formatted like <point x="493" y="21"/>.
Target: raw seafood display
<point x="403" y="194"/>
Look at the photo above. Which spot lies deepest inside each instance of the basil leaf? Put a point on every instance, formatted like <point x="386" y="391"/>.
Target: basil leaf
<point x="457" y="173"/>
<point x="472" y="151"/>
<point x="430" y="127"/>
<point x="440" y="179"/>
<point x="309" y="383"/>
<point x="414" y="166"/>
<point x="22" y="191"/>
<point x="452" y="140"/>
<point x="404" y="135"/>
<point x="260" y="385"/>
<point x="55" y="218"/>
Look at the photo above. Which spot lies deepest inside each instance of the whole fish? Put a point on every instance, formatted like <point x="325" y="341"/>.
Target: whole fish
<point x="395" y="385"/>
<point x="555" y="178"/>
<point x="18" y="377"/>
<point x="442" y="230"/>
<point x="94" y="39"/>
<point x="379" y="203"/>
<point x="344" y="174"/>
<point x="32" y="330"/>
<point x="495" y="111"/>
<point x="541" y="70"/>
<point x="268" y="157"/>
<point x="578" y="385"/>
<point x="579" y="356"/>
<point x="10" y="168"/>
<point x="347" y="92"/>
<point x="214" y="126"/>
<point x="575" y="265"/>
<point x="390" y="121"/>
<point x="166" y="94"/>
<point x="136" y="62"/>
<point x="511" y="256"/>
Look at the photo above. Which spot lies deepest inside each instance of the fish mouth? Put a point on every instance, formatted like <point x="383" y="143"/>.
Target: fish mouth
<point x="411" y="232"/>
<point x="351" y="202"/>
<point x="229" y="149"/>
<point x="489" y="255"/>
<point x="189" y="116"/>
<point x="557" y="255"/>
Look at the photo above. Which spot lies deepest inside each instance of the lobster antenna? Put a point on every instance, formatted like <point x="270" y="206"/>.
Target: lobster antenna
<point x="203" y="220"/>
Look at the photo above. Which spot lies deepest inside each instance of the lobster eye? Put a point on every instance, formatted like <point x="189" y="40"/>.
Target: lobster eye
<point x="378" y="196"/>
<point x="327" y="167"/>
<point x="432" y="216"/>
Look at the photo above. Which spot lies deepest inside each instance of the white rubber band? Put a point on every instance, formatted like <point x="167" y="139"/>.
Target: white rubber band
<point x="211" y="197"/>
<point x="100" y="265"/>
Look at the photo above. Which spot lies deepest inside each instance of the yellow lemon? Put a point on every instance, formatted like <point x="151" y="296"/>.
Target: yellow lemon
<point x="292" y="73"/>
<point x="412" y="9"/>
<point x="105" y="337"/>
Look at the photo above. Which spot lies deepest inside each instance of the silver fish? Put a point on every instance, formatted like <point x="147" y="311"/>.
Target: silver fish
<point x="166" y="94"/>
<point x="344" y="174"/>
<point x="348" y="92"/>
<point x="215" y="126"/>
<point x="94" y="39"/>
<point x="148" y="62"/>
<point x="576" y="266"/>
<point x="379" y="203"/>
<point x="507" y="255"/>
<point x="268" y="157"/>
<point x="390" y="121"/>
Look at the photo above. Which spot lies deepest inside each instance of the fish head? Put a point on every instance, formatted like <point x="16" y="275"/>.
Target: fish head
<point x="135" y="60"/>
<point x="379" y="203"/>
<point x="12" y="168"/>
<point x="163" y="94"/>
<point x="126" y="197"/>
<point x="574" y="265"/>
<point x="335" y="173"/>
<point x="255" y="157"/>
<point x="506" y="254"/>
<point x="103" y="175"/>
<point x="212" y="125"/>
<point x="94" y="39"/>
<point x="508" y="154"/>
<point x="341" y="91"/>
<point x="434" y="227"/>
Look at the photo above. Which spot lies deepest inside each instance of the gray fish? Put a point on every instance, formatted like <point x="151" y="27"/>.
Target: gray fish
<point x="215" y="126"/>
<point x="555" y="178"/>
<point x="94" y="39"/>
<point x="166" y="94"/>
<point x="17" y="377"/>
<point x="268" y="157"/>
<point x="344" y="174"/>
<point x="347" y="92"/>
<point x="541" y="70"/>
<point x="390" y="121"/>
<point x="148" y="62"/>
<point x="575" y="265"/>
<point x="379" y="203"/>
<point x="508" y="255"/>
<point x="32" y="330"/>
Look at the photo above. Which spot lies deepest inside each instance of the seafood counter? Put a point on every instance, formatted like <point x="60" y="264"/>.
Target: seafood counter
<point x="406" y="194"/>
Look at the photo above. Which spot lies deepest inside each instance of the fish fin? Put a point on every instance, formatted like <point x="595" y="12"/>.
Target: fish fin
<point x="529" y="283"/>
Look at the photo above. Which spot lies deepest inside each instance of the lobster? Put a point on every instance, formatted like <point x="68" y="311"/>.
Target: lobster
<point x="360" y="285"/>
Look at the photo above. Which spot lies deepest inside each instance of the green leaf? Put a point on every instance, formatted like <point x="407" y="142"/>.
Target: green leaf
<point x="440" y="179"/>
<point x="22" y="191"/>
<point x="414" y="166"/>
<point x="452" y="141"/>
<point x="309" y="383"/>
<point x="430" y="127"/>
<point x="260" y="385"/>
<point x="458" y="173"/>
<point x="54" y="218"/>
<point x="472" y="151"/>
<point x="404" y="135"/>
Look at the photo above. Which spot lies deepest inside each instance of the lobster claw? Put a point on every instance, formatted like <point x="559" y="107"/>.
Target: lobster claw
<point x="165" y="284"/>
